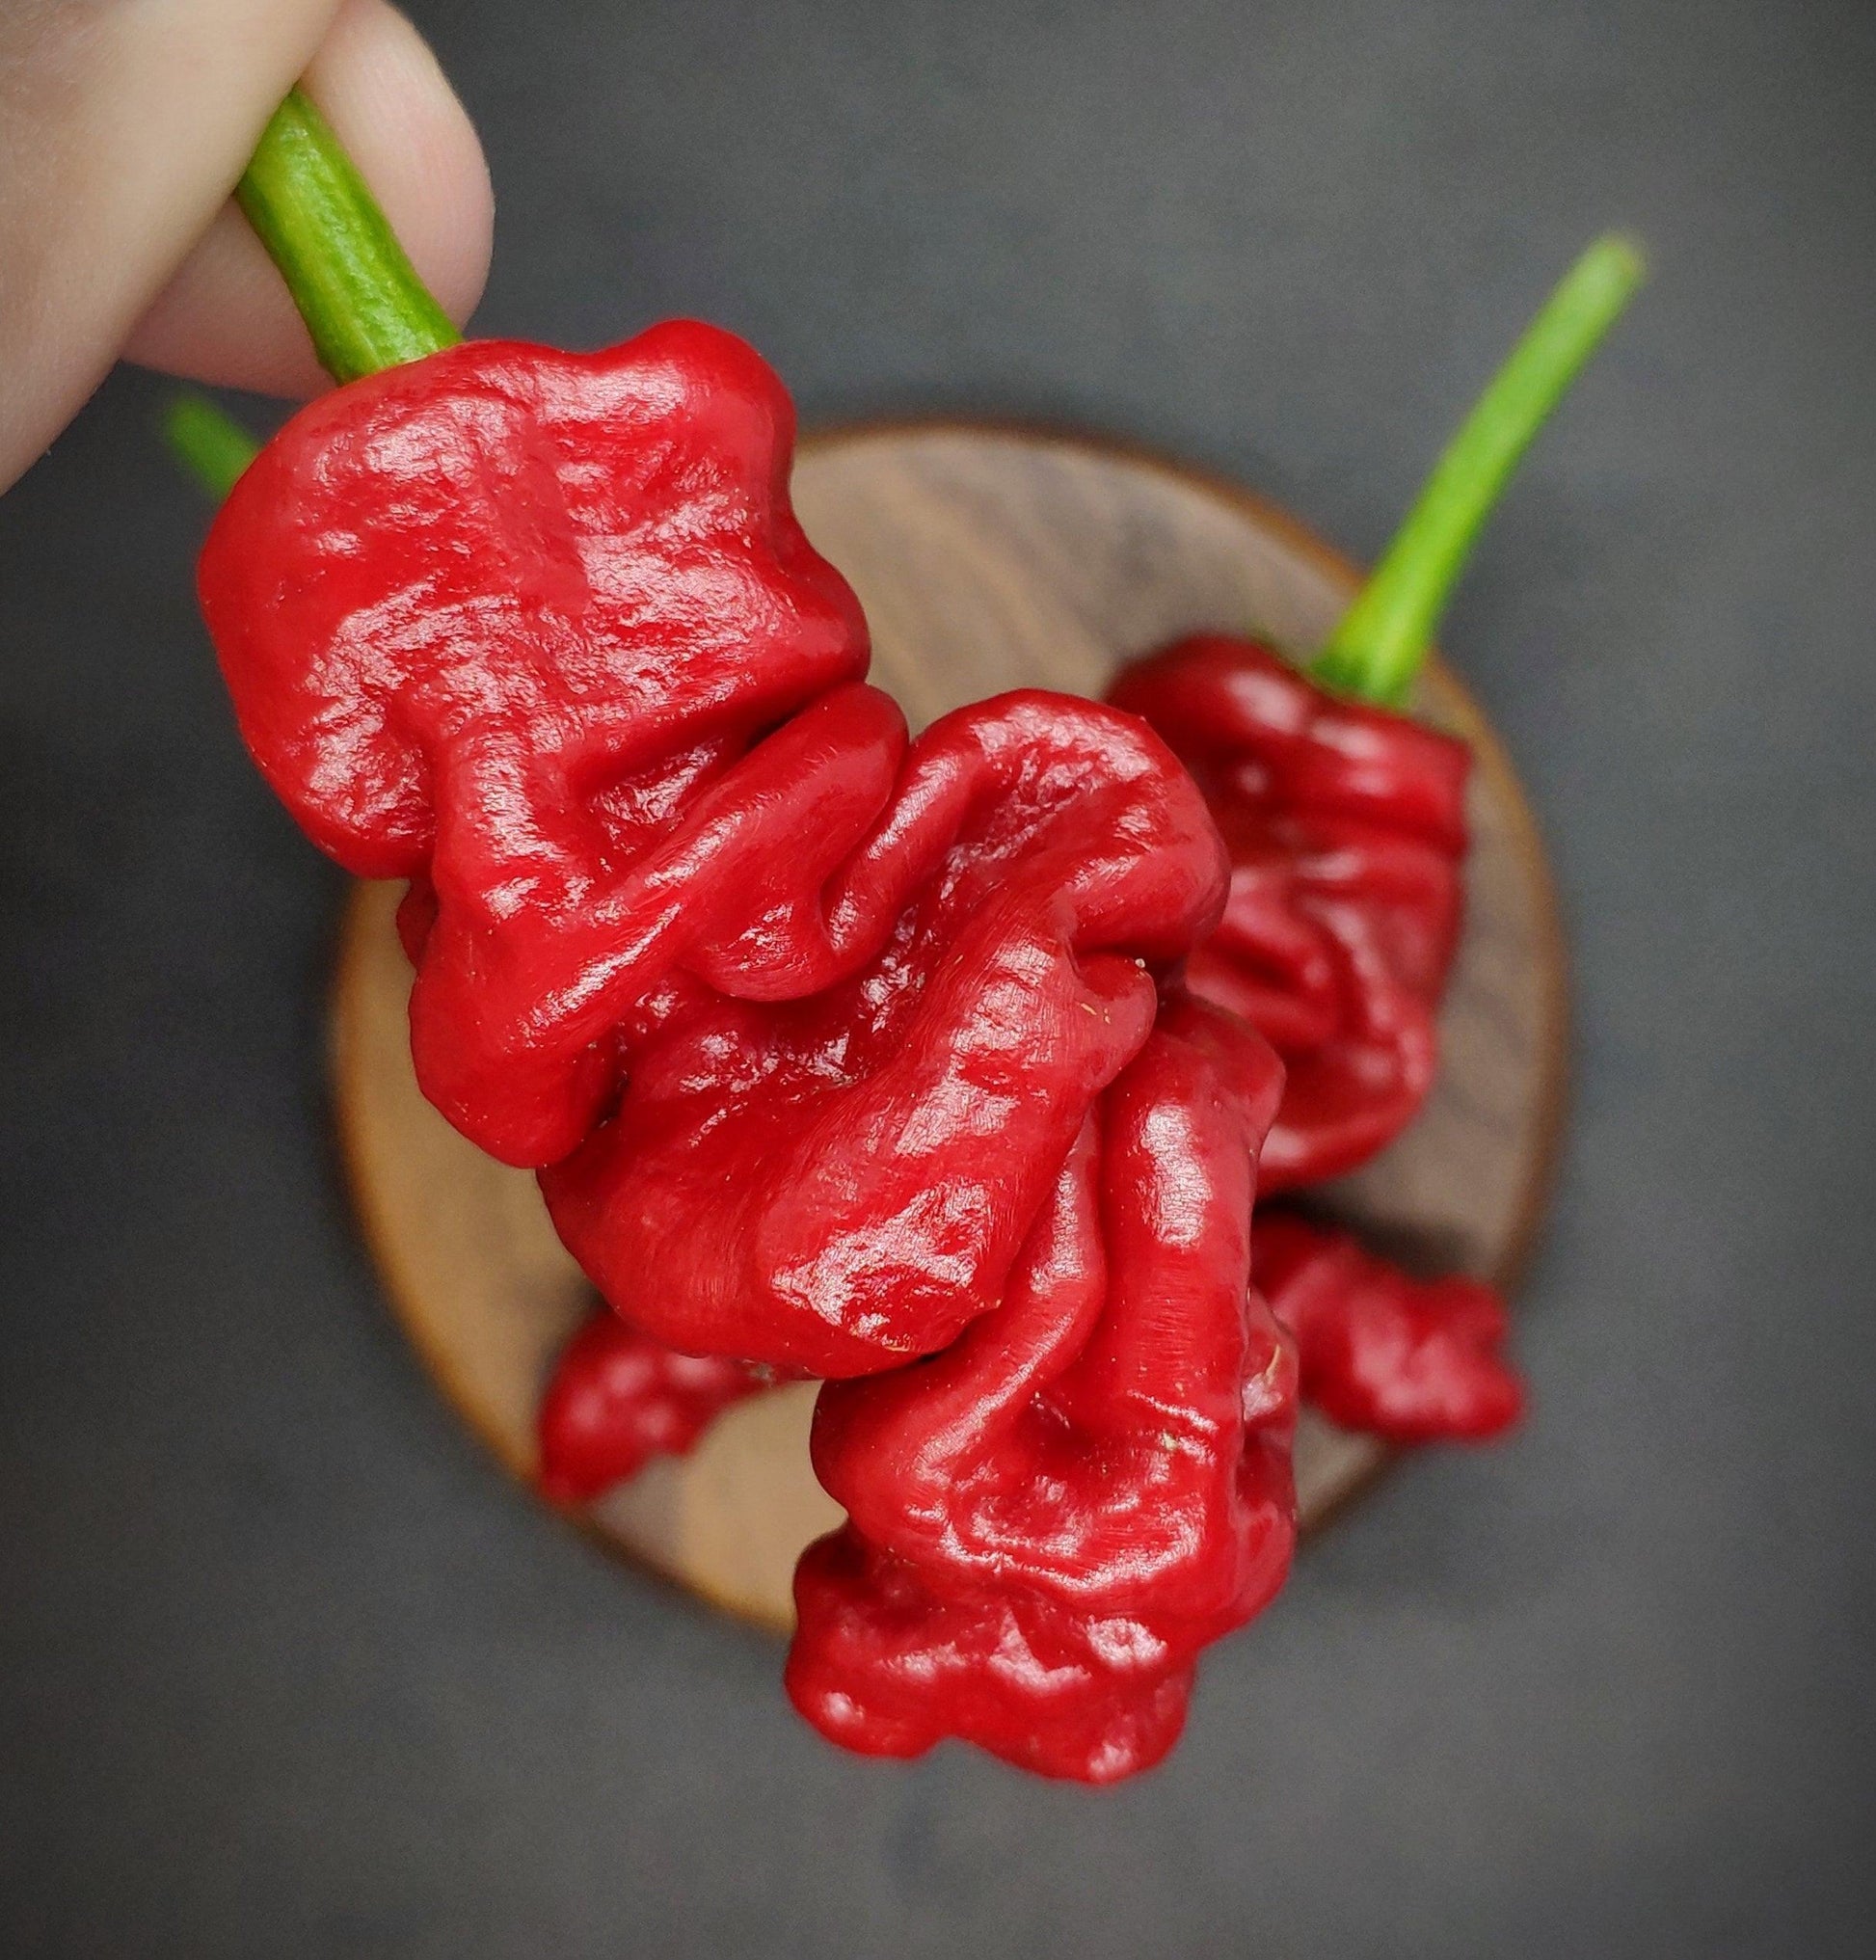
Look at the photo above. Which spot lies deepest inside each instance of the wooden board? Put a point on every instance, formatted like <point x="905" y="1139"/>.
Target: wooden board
<point x="987" y="557"/>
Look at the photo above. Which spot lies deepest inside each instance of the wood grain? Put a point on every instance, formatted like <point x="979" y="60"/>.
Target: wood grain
<point x="987" y="557"/>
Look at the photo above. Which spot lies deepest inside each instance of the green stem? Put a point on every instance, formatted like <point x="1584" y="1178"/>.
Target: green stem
<point x="361" y="300"/>
<point x="1382" y="640"/>
<point x="211" y="446"/>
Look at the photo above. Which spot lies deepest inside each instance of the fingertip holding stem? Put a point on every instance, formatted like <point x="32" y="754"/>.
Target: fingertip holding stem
<point x="357" y="294"/>
<point x="225" y="317"/>
<point x="1382" y="640"/>
<point x="350" y="279"/>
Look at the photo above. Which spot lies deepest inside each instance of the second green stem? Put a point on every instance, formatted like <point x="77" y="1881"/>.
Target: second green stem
<point x="1382" y="640"/>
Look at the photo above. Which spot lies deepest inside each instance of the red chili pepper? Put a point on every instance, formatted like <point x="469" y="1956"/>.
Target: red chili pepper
<point x="837" y="1054"/>
<point x="1049" y="1519"/>
<point x="1410" y="1360"/>
<point x="813" y="1032"/>
<point x="618" y="1398"/>
<point x="1346" y="821"/>
<point x="1346" y="829"/>
<point x="516" y="625"/>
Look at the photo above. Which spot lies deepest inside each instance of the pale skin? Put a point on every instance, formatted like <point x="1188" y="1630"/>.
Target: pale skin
<point x="123" y="126"/>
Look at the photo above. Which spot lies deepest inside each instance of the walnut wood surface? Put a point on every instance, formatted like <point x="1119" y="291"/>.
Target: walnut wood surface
<point x="987" y="557"/>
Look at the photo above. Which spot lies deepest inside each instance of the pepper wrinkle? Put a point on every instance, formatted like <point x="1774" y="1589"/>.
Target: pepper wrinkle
<point x="1346" y="829"/>
<point x="1010" y="1498"/>
<point x="618" y="1399"/>
<point x="1410" y="1360"/>
<point x="837" y="1054"/>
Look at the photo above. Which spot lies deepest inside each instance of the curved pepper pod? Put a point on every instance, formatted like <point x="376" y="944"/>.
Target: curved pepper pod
<point x="839" y="1183"/>
<point x="618" y="1398"/>
<point x="1408" y="1360"/>
<point x="1049" y="1519"/>
<point x="515" y="624"/>
<point x="1346" y="829"/>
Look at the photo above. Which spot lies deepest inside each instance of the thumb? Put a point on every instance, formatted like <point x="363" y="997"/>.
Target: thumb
<point x="226" y="315"/>
<point x="122" y="130"/>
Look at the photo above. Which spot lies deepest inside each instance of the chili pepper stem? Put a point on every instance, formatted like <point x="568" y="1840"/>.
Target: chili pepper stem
<point x="361" y="300"/>
<point x="211" y="446"/>
<point x="1379" y="646"/>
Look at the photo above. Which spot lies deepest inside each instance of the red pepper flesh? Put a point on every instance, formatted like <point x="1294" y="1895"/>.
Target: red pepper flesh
<point x="1346" y="829"/>
<point x="1049" y="1519"/>
<point x="1410" y="1360"/>
<point x="617" y="1399"/>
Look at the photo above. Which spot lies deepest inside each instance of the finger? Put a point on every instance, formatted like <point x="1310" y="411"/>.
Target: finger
<point x="226" y="315"/>
<point x="121" y="130"/>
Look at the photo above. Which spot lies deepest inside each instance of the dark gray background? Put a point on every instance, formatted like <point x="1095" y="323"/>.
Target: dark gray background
<point x="286" y="1667"/>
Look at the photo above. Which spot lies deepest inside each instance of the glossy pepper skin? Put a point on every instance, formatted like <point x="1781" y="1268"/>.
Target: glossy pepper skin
<point x="844" y="1181"/>
<point x="1051" y="1517"/>
<point x="804" y="1025"/>
<point x="1410" y="1360"/>
<point x="515" y="625"/>
<point x="1346" y="829"/>
<point x="618" y="1398"/>
<point x="1380" y="1353"/>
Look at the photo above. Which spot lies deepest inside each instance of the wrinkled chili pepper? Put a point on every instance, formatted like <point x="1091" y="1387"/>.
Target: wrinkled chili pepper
<point x="1408" y="1360"/>
<point x="618" y="1398"/>
<point x="1346" y="829"/>
<point x="1345" y="819"/>
<point x="539" y="632"/>
<point x="1051" y="1517"/>
<point x="835" y="1052"/>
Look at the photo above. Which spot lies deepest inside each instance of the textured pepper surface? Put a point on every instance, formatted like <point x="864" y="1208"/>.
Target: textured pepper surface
<point x="513" y="624"/>
<point x="844" y="1181"/>
<point x="1346" y="829"/>
<point x="1410" y="1361"/>
<point x="805" y="1026"/>
<point x="618" y="1398"/>
<point x="1049" y="1519"/>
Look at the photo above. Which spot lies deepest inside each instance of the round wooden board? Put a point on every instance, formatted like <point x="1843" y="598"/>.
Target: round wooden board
<point x="987" y="557"/>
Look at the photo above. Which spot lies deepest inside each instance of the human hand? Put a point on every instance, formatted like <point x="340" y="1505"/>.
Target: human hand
<point x="123" y="127"/>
